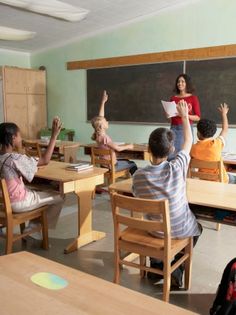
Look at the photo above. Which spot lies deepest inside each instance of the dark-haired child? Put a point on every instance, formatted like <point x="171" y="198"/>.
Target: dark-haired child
<point x="14" y="167"/>
<point x="210" y="149"/>
<point x="165" y="179"/>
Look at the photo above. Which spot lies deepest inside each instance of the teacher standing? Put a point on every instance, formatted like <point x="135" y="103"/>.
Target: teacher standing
<point x="184" y="89"/>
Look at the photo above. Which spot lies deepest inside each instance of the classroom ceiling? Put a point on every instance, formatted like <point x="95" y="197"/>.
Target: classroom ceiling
<point x="104" y="14"/>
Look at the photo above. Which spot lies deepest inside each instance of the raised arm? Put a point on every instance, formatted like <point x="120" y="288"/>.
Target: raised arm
<point x="56" y="127"/>
<point x="182" y="109"/>
<point x="224" y="108"/>
<point x="102" y="105"/>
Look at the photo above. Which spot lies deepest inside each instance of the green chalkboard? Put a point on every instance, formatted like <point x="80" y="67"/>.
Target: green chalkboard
<point x="135" y="92"/>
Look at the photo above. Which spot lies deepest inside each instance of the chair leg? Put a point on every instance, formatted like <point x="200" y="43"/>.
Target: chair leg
<point x="117" y="266"/>
<point x="142" y="260"/>
<point x="94" y="193"/>
<point x="44" y="222"/>
<point x="188" y="266"/>
<point x="22" y="227"/>
<point x="167" y="280"/>
<point x="218" y="226"/>
<point x="9" y="240"/>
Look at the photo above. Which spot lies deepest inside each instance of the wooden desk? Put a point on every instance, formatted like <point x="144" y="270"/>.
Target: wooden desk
<point x="59" y="146"/>
<point x="199" y="192"/>
<point x="230" y="164"/>
<point x="82" y="184"/>
<point x="139" y="152"/>
<point x="84" y="295"/>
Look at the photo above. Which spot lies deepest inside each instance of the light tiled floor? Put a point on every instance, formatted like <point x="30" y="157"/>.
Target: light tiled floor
<point x="211" y="254"/>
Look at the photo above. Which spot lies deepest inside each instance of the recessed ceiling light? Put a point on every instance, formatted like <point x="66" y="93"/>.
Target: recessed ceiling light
<point x="7" y="33"/>
<point x="53" y="8"/>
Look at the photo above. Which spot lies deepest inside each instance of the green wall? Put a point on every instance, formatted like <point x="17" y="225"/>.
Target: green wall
<point x="199" y="24"/>
<point x="14" y="58"/>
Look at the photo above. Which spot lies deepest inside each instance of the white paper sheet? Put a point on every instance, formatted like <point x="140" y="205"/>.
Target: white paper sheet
<point x="170" y="108"/>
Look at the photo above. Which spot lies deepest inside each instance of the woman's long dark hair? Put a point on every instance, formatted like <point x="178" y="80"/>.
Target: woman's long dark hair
<point x="189" y="85"/>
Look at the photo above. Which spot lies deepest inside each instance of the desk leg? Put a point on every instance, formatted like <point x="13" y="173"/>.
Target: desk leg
<point x="85" y="233"/>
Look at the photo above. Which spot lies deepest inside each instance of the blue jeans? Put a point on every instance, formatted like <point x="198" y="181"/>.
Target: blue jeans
<point x="124" y="164"/>
<point x="179" y="139"/>
<point x="232" y="178"/>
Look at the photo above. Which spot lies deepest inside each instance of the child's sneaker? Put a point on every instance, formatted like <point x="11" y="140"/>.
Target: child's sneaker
<point x="177" y="278"/>
<point x="35" y="235"/>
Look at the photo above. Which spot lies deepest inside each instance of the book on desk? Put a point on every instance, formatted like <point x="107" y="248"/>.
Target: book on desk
<point x="77" y="167"/>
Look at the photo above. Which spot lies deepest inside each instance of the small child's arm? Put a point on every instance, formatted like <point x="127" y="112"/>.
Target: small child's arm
<point x="224" y="108"/>
<point x="102" y="105"/>
<point x="56" y="128"/>
<point x="120" y="148"/>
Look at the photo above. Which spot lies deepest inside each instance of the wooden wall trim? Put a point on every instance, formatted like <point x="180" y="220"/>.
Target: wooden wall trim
<point x="167" y="56"/>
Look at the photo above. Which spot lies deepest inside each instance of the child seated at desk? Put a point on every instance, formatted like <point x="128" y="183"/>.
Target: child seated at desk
<point x="14" y="167"/>
<point x="167" y="180"/>
<point x="209" y="149"/>
<point x="100" y="125"/>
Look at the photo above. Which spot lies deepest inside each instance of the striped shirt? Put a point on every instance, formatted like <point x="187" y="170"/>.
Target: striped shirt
<point x="168" y="181"/>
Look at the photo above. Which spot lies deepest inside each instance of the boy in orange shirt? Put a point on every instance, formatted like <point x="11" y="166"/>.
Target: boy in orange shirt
<point x="209" y="149"/>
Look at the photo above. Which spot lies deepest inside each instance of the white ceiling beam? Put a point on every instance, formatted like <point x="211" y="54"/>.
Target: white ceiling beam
<point x="52" y="8"/>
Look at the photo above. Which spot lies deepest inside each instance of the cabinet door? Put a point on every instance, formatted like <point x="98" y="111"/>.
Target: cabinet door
<point x="37" y="114"/>
<point x="36" y="82"/>
<point x="14" y="80"/>
<point x="16" y="111"/>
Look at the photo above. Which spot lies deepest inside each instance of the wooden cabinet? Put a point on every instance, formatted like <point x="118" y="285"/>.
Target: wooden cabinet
<point x="24" y="99"/>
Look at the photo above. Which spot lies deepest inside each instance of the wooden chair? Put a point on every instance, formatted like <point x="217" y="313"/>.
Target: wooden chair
<point x="32" y="148"/>
<point x="97" y="159"/>
<point x="9" y="220"/>
<point x="206" y="170"/>
<point x="136" y="239"/>
<point x="70" y="153"/>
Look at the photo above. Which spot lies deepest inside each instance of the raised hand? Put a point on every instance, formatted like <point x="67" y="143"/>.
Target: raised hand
<point x="182" y="108"/>
<point x="56" y="126"/>
<point x="104" y="97"/>
<point x="223" y="108"/>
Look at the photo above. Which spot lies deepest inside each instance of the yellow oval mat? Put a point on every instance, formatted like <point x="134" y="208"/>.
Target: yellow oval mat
<point x="49" y="281"/>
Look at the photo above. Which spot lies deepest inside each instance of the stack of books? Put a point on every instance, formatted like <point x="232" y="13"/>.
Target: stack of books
<point x="79" y="166"/>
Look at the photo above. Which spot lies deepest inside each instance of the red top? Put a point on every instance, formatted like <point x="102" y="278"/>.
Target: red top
<point x="193" y="105"/>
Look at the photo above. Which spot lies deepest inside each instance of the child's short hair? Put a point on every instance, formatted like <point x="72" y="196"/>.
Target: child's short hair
<point x="7" y="131"/>
<point x="206" y="127"/>
<point x="161" y="142"/>
<point x="97" y="125"/>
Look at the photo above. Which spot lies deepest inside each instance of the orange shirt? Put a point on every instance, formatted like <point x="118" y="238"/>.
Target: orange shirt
<point x="210" y="150"/>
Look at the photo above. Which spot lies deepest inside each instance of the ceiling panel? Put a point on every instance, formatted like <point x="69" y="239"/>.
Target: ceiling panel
<point x="104" y="14"/>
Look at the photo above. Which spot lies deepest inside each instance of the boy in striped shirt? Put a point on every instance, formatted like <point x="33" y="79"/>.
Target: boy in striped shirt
<point x="167" y="180"/>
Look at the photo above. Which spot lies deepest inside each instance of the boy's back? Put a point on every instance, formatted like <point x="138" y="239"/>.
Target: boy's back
<point x="207" y="148"/>
<point x="210" y="150"/>
<point x="167" y="180"/>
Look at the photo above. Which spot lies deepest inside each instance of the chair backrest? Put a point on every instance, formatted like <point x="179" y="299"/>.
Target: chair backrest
<point x="208" y="170"/>
<point x="5" y="200"/>
<point x="70" y="153"/>
<point x="141" y="206"/>
<point x="32" y="148"/>
<point x="103" y="157"/>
